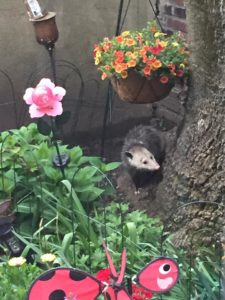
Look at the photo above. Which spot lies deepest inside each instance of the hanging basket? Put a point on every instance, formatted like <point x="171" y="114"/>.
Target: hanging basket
<point x="140" y="90"/>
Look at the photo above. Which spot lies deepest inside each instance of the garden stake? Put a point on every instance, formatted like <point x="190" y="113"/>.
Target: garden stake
<point x="61" y="166"/>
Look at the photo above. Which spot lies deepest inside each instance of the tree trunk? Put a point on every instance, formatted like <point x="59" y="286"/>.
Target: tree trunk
<point x="195" y="168"/>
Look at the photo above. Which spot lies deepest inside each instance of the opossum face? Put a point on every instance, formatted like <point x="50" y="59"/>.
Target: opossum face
<point x="142" y="159"/>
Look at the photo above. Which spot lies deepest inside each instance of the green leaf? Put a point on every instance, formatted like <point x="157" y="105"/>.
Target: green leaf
<point x="43" y="152"/>
<point x="75" y="154"/>
<point x="30" y="245"/>
<point x="91" y="194"/>
<point x="67" y="241"/>
<point x="52" y="173"/>
<point x="80" y="213"/>
<point x="111" y="166"/>
<point x="85" y="174"/>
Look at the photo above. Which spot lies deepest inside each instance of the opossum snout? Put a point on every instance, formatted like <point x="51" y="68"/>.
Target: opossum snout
<point x="157" y="167"/>
<point x="153" y="165"/>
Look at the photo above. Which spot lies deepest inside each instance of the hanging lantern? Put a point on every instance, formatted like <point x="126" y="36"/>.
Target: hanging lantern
<point x="45" y="29"/>
<point x="44" y="23"/>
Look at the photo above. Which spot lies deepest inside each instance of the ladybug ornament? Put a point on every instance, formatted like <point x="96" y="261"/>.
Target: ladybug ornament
<point x="159" y="276"/>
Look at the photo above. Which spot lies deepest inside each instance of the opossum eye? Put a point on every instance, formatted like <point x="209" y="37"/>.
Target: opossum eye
<point x="145" y="162"/>
<point x="151" y="157"/>
<point x="129" y="155"/>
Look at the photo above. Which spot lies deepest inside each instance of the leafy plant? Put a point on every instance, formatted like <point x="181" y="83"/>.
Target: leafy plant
<point x="142" y="237"/>
<point x="37" y="188"/>
<point x="15" y="281"/>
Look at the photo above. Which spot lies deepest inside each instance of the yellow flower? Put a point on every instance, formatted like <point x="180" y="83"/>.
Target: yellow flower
<point x="129" y="53"/>
<point x="175" y="44"/>
<point x="48" y="257"/>
<point x="182" y="66"/>
<point x="125" y="33"/>
<point x="157" y="34"/>
<point x="162" y="43"/>
<point x="135" y="54"/>
<point x="16" y="261"/>
<point x="106" y="39"/>
<point x="97" y="61"/>
<point x="98" y="54"/>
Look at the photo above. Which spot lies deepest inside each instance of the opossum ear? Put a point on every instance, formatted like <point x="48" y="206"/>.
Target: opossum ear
<point x="129" y="154"/>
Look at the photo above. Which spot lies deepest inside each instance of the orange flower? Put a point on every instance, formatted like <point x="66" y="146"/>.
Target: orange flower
<point x="145" y="58"/>
<point x="156" y="50"/>
<point x="124" y="74"/>
<point x="107" y="46"/>
<point x="139" y="38"/>
<point x="157" y="64"/>
<point x="119" y="53"/>
<point x="182" y="50"/>
<point x="152" y="29"/>
<point x="124" y="66"/>
<point x="150" y="61"/>
<point x="147" y="70"/>
<point x="131" y="63"/>
<point x="107" y="68"/>
<point x="119" y="39"/>
<point x="130" y="42"/>
<point x="104" y="76"/>
<point x="97" y="48"/>
<point x="119" y="60"/>
<point x="164" y="79"/>
<point x="144" y="50"/>
<point x="171" y="66"/>
<point x="118" y="68"/>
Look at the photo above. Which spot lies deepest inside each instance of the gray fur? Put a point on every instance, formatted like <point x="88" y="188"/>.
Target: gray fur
<point x="140" y="144"/>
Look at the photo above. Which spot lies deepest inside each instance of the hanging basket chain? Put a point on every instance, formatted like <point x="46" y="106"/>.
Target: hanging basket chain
<point x="156" y="12"/>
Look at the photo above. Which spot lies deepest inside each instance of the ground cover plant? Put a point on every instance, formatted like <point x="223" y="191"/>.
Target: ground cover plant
<point x="140" y="234"/>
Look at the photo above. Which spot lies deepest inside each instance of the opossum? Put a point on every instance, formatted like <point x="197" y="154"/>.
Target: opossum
<point x="142" y="154"/>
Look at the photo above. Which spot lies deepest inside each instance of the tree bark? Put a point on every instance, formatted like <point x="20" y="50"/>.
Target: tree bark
<point x="195" y="168"/>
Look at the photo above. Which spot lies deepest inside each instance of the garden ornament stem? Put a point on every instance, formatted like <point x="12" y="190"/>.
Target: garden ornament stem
<point x="50" y="49"/>
<point x="57" y="147"/>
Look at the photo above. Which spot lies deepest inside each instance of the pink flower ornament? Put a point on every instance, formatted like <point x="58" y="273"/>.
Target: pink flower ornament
<point x="44" y="99"/>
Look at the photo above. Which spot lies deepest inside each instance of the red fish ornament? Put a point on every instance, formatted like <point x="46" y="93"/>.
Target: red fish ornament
<point x="158" y="276"/>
